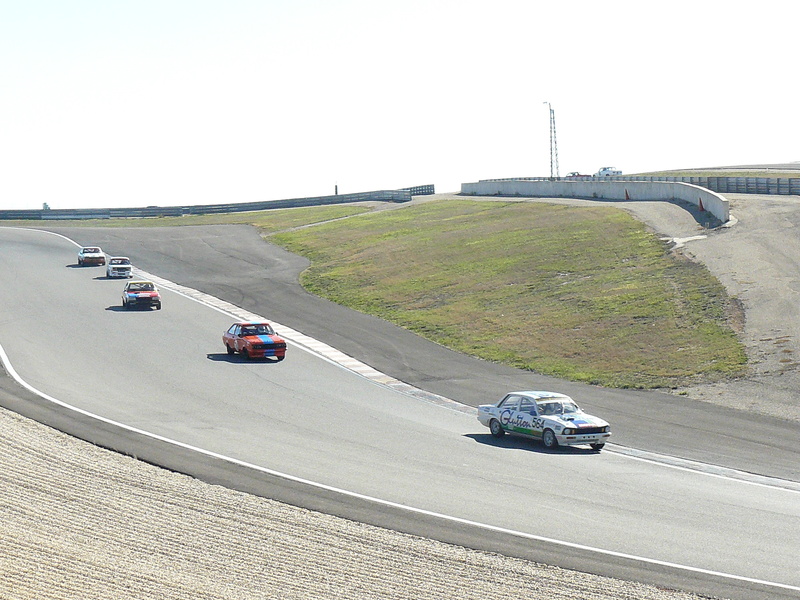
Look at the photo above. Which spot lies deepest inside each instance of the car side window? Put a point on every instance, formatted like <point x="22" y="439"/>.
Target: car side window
<point x="553" y="407"/>
<point x="511" y="402"/>
<point x="527" y="405"/>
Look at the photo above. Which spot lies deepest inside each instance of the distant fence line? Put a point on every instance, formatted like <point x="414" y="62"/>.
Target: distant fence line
<point x="784" y="186"/>
<point x="779" y="186"/>
<point x="402" y="195"/>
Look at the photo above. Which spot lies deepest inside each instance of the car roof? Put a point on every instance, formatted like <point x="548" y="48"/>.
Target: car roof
<point x="119" y="257"/>
<point x="541" y="394"/>
<point x="251" y="323"/>
<point x="143" y="281"/>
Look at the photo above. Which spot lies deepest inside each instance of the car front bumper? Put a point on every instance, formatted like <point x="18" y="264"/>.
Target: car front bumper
<point x="579" y="440"/>
<point x="143" y="302"/>
<point x="277" y="353"/>
<point x="116" y="273"/>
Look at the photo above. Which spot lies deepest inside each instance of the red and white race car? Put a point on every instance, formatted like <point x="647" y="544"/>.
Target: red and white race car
<point x="254" y="339"/>
<point x="91" y="255"/>
<point x="141" y="294"/>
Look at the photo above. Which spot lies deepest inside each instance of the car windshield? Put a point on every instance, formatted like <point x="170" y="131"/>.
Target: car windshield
<point x="91" y="250"/>
<point x="555" y="406"/>
<point x="261" y="329"/>
<point x="141" y="287"/>
<point x="119" y="261"/>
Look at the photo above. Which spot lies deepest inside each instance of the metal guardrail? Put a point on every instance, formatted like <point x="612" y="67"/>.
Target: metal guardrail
<point x="402" y="195"/>
<point x="421" y="190"/>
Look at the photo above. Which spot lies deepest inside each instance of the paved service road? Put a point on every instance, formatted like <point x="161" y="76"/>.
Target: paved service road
<point x="212" y="405"/>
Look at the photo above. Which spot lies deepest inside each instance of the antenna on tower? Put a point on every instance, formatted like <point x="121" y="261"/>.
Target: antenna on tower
<point x="553" y="145"/>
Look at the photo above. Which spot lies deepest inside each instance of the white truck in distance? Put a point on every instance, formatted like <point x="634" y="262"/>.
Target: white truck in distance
<point x="607" y="172"/>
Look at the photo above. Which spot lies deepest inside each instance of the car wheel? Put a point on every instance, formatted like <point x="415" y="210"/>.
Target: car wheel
<point x="549" y="439"/>
<point x="245" y="354"/>
<point x="597" y="447"/>
<point x="496" y="429"/>
<point x="230" y="350"/>
<point x="158" y="306"/>
<point x="280" y="358"/>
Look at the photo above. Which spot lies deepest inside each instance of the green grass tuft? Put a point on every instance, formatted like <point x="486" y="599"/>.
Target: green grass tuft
<point x="587" y="294"/>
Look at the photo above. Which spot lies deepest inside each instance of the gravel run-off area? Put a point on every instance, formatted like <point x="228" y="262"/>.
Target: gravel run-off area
<point x="82" y="522"/>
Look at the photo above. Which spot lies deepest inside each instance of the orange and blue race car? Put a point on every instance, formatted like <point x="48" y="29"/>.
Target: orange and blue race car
<point x="254" y="339"/>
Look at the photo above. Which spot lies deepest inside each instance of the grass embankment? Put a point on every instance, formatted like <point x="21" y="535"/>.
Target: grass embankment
<point x="266" y="220"/>
<point x="586" y="294"/>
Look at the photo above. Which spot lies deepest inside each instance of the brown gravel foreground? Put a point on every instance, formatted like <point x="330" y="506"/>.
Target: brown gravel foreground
<point x="82" y="522"/>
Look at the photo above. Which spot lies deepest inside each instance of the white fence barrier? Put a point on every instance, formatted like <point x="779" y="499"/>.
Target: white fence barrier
<point x="701" y="197"/>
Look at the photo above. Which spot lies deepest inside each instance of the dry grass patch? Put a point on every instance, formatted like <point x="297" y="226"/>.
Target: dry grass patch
<point x="267" y="220"/>
<point x="587" y="294"/>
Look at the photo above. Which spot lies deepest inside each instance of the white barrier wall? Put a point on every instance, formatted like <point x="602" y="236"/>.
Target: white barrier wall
<point x="606" y="190"/>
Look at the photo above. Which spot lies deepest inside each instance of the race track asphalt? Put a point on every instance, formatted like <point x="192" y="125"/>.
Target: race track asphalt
<point x="234" y="263"/>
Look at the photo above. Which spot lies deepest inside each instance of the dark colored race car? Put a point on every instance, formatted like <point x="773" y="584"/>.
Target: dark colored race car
<point x="254" y="339"/>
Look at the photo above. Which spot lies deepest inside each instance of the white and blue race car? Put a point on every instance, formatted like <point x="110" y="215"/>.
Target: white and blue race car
<point x="548" y="416"/>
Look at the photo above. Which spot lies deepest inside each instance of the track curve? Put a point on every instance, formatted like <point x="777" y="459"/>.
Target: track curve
<point x="334" y="403"/>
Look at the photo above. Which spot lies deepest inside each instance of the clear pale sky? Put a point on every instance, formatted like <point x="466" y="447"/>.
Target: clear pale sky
<point x="127" y="103"/>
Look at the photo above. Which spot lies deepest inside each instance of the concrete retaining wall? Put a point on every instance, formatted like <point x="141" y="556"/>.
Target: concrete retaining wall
<point x="607" y="190"/>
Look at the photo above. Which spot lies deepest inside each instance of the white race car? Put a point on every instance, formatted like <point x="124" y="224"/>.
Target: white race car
<point x="548" y="416"/>
<point x="119" y="266"/>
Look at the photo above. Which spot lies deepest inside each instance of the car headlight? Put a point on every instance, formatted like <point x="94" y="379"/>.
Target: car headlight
<point x="568" y="431"/>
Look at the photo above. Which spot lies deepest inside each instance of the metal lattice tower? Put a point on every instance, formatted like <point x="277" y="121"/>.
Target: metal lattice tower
<point x="553" y="144"/>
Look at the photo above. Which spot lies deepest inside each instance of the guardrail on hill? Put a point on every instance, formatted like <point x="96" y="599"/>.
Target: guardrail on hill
<point x="421" y="190"/>
<point x="604" y="189"/>
<point x="402" y="195"/>
<point x="784" y="186"/>
<point x="735" y="185"/>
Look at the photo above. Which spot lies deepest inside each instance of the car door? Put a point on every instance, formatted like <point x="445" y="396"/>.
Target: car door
<point x="236" y="339"/>
<point x="534" y="422"/>
<point x="512" y="418"/>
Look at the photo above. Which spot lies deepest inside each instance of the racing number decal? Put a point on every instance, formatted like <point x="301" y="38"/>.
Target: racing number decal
<point x="522" y="422"/>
